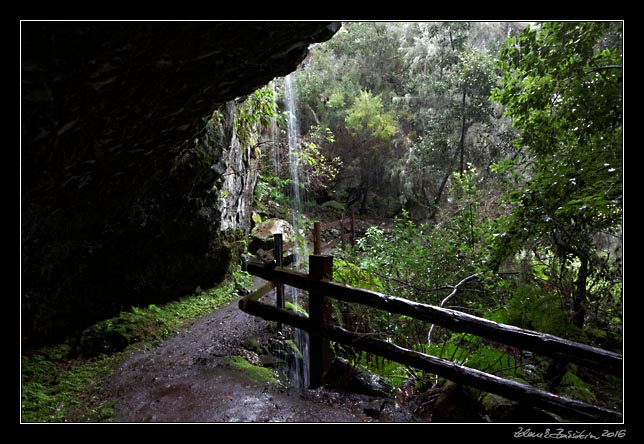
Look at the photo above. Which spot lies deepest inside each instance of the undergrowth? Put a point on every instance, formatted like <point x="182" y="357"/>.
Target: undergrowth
<point x="61" y="384"/>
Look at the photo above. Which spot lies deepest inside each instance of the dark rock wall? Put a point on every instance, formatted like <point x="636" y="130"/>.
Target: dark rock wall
<point x="127" y="196"/>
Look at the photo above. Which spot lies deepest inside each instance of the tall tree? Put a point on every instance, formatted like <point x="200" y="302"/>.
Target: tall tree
<point x="445" y="109"/>
<point x="432" y="81"/>
<point x="562" y="86"/>
<point x="347" y="86"/>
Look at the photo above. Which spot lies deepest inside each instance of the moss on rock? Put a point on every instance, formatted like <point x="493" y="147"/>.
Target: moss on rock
<point x="106" y="337"/>
<point x="254" y="372"/>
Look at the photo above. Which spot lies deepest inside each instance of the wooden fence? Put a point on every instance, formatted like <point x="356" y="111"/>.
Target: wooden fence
<point x="277" y="252"/>
<point x="318" y="282"/>
<point x="346" y="226"/>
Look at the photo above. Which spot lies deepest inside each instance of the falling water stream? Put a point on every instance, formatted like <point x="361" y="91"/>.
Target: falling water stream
<point x="298" y="369"/>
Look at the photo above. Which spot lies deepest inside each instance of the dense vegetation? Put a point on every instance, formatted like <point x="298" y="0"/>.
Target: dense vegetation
<point x="494" y="150"/>
<point x="490" y="153"/>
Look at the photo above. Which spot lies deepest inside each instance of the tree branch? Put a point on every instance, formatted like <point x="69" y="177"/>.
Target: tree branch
<point x="450" y="296"/>
<point x="315" y="116"/>
<point x="604" y="68"/>
<point x="406" y="284"/>
<point x="456" y="287"/>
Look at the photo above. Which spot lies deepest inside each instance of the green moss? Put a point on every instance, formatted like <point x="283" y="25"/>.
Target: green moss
<point x="223" y="248"/>
<point x="62" y="390"/>
<point x="573" y="387"/>
<point x="296" y="308"/>
<point x="109" y="336"/>
<point x="293" y="348"/>
<point x="258" y="373"/>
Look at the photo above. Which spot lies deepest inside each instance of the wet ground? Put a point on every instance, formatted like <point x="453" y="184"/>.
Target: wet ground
<point x="189" y="378"/>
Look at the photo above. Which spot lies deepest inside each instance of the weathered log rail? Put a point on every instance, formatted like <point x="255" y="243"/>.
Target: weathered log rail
<point x="318" y="283"/>
<point x="568" y="408"/>
<point x="541" y="343"/>
<point x="318" y="248"/>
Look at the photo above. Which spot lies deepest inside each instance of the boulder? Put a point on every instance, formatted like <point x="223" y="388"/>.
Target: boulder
<point x="262" y="234"/>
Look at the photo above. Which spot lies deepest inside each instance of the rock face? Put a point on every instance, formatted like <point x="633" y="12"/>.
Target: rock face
<point x="130" y="192"/>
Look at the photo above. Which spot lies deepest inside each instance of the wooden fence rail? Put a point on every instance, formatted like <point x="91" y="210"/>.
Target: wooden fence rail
<point x="320" y="287"/>
<point x="280" y="247"/>
<point x="568" y="408"/>
<point x="544" y="344"/>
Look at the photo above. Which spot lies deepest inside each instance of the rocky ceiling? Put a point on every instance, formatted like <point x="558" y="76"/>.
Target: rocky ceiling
<point x="107" y="109"/>
<point x="97" y="89"/>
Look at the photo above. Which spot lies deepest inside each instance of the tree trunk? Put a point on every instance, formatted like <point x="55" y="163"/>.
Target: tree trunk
<point x="438" y="195"/>
<point x="579" y="298"/>
<point x="315" y="116"/>
<point x="365" y="193"/>
<point x="558" y="368"/>
<point x="441" y="188"/>
<point x="463" y="130"/>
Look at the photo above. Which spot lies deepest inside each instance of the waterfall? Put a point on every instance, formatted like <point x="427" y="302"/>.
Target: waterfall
<point x="292" y="131"/>
<point x="298" y="371"/>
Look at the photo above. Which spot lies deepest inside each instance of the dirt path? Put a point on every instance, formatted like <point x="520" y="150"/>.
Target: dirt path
<point x="188" y="378"/>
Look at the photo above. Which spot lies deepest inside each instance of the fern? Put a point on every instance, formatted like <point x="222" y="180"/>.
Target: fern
<point x="335" y="205"/>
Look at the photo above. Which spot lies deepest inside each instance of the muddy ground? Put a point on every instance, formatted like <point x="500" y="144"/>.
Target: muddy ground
<point x="189" y="379"/>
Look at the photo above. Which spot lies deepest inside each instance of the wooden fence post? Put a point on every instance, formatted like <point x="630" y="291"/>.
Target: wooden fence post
<point x="317" y="238"/>
<point x="278" y="253"/>
<point x="320" y="268"/>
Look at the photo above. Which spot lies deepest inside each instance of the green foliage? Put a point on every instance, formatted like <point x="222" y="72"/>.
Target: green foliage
<point x="318" y="171"/>
<point x="396" y="374"/>
<point x="274" y="187"/>
<point x="535" y="308"/>
<point x="422" y="263"/>
<point x="271" y="195"/>
<point x="367" y="116"/>
<point x="296" y="308"/>
<point x="349" y="273"/>
<point x="514" y="157"/>
<point x="416" y="258"/>
<point x="473" y="352"/>
<point x="563" y="89"/>
<point x="253" y="114"/>
<point x="492" y="360"/>
<point x="449" y="117"/>
<point x="336" y="206"/>
<point x="574" y="387"/>
<point x="562" y="86"/>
